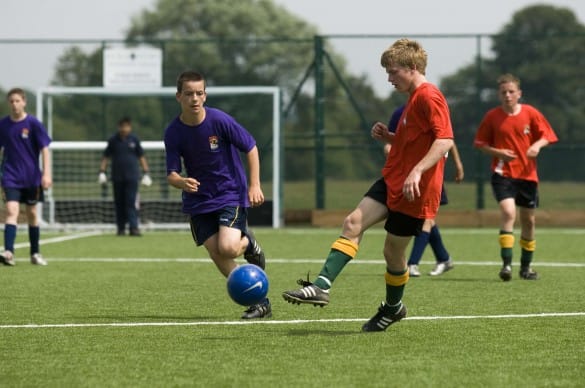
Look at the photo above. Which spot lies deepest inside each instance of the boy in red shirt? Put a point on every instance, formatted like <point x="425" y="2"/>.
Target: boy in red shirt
<point x="513" y="134"/>
<point x="413" y="172"/>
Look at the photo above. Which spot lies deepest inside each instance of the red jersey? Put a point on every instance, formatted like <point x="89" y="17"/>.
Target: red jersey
<point x="517" y="132"/>
<point x="425" y="119"/>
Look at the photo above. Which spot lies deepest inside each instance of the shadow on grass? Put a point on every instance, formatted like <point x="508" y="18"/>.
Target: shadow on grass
<point x="474" y="280"/>
<point x="322" y="332"/>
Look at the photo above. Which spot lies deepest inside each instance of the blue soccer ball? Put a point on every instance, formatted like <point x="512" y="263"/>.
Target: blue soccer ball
<point x="247" y="285"/>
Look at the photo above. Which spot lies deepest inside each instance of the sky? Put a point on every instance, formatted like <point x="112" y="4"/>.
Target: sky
<point x="32" y="66"/>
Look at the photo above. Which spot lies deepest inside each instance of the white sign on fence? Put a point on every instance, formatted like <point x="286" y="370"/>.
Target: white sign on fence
<point x="132" y="67"/>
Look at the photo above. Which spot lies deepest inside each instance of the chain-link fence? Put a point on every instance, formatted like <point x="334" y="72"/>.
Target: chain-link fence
<point x="333" y="89"/>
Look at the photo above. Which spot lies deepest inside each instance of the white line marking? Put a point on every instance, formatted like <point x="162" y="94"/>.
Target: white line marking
<point x="381" y="231"/>
<point x="282" y="322"/>
<point x="284" y="261"/>
<point x="54" y="240"/>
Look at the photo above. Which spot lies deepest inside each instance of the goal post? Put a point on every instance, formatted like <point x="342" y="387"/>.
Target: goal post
<point x="73" y="154"/>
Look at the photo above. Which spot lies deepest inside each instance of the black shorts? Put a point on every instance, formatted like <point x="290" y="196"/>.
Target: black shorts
<point x="525" y="193"/>
<point x="206" y="225"/>
<point x="29" y="196"/>
<point x="444" y="199"/>
<point x="400" y="224"/>
<point x="378" y="192"/>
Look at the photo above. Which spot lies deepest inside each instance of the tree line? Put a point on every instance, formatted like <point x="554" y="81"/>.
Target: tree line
<point x="261" y="43"/>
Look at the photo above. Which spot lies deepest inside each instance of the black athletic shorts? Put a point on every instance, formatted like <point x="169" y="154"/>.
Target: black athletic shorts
<point x="525" y="193"/>
<point x="206" y="225"/>
<point x="378" y="192"/>
<point x="400" y="224"/>
<point x="29" y="196"/>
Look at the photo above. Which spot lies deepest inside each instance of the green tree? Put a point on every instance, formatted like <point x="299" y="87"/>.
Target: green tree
<point x="545" y="47"/>
<point x="249" y="42"/>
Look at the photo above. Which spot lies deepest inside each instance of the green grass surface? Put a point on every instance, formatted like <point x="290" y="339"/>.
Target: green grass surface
<point x="139" y="315"/>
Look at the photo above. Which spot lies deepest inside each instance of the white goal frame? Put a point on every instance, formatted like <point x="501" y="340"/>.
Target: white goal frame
<point x="47" y="93"/>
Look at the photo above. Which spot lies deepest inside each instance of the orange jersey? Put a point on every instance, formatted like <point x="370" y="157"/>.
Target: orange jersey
<point x="425" y="119"/>
<point x="499" y="129"/>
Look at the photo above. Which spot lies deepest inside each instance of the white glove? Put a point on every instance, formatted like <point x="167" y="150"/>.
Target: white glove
<point x="146" y="180"/>
<point x="102" y="178"/>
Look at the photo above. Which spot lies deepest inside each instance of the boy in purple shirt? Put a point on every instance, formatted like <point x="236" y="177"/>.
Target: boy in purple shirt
<point x="23" y="138"/>
<point x="215" y="193"/>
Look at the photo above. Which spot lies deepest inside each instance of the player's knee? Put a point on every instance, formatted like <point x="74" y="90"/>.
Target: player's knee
<point x="508" y="215"/>
<point x="352" y="227"/>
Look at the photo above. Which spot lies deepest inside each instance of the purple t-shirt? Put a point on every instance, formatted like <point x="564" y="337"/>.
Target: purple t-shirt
<point x="211" y="154"/>
<point x="22" y="142"/>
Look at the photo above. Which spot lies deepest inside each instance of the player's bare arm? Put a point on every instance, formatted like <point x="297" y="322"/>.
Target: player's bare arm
<point x="144" y="164"/>
<point x="104" y="164"/>
<point x="387" y="148"/>
<point x="47" y="178"/>
<point x="459" y="172"/>
<point x="534" y="149"/>
<point x="438" y="149"/>
<point x="255" y="194"/>
<point x="188" y="185"/>
<point x="501" y="153"/>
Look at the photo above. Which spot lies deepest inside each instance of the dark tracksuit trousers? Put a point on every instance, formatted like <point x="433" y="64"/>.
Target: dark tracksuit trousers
<point x="125" y="201"/>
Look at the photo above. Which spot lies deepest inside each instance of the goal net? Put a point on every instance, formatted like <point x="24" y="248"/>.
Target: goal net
<point x="77" y="201"/>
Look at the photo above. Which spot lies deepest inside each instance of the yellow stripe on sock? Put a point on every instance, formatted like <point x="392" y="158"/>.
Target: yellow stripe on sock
<point x="345" y="246"/>
<point x="396" y="280"/>
<point x="528" y="245"/>
<point x="507" y="240"/>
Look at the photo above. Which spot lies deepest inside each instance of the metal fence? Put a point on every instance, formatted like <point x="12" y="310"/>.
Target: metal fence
<point x="333" y="90"/>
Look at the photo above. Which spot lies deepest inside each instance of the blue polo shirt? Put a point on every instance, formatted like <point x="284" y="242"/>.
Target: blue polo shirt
<point x="22" y="142"/>
<point x="210" y="153"/>
<point x="124" y="154"/>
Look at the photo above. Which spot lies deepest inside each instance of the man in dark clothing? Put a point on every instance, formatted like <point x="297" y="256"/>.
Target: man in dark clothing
<point x="125" y="151"/>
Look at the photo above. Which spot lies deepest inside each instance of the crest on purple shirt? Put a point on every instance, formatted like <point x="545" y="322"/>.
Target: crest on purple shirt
<point x="213" y="143"/>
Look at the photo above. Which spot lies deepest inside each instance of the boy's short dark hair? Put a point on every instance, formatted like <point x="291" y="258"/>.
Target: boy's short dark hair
<point x="18" y="91"/>
<point x="189" y="75"/>
<point x="124" y="120"/>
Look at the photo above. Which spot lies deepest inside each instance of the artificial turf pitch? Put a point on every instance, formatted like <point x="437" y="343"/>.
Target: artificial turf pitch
<point x="153" y="312"/>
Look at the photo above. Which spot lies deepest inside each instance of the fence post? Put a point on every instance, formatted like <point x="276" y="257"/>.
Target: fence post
<point x="319" y="125"/>
<point x="479" y="196"/>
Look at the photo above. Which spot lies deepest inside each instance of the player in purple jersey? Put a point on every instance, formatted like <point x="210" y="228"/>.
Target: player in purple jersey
<point x="215" y="191"/>
<point x="23" y="138"/>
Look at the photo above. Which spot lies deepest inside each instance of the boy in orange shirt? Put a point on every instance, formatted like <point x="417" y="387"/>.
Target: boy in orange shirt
<point x="413" y="172"/>
<point x="513" y="134"/>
